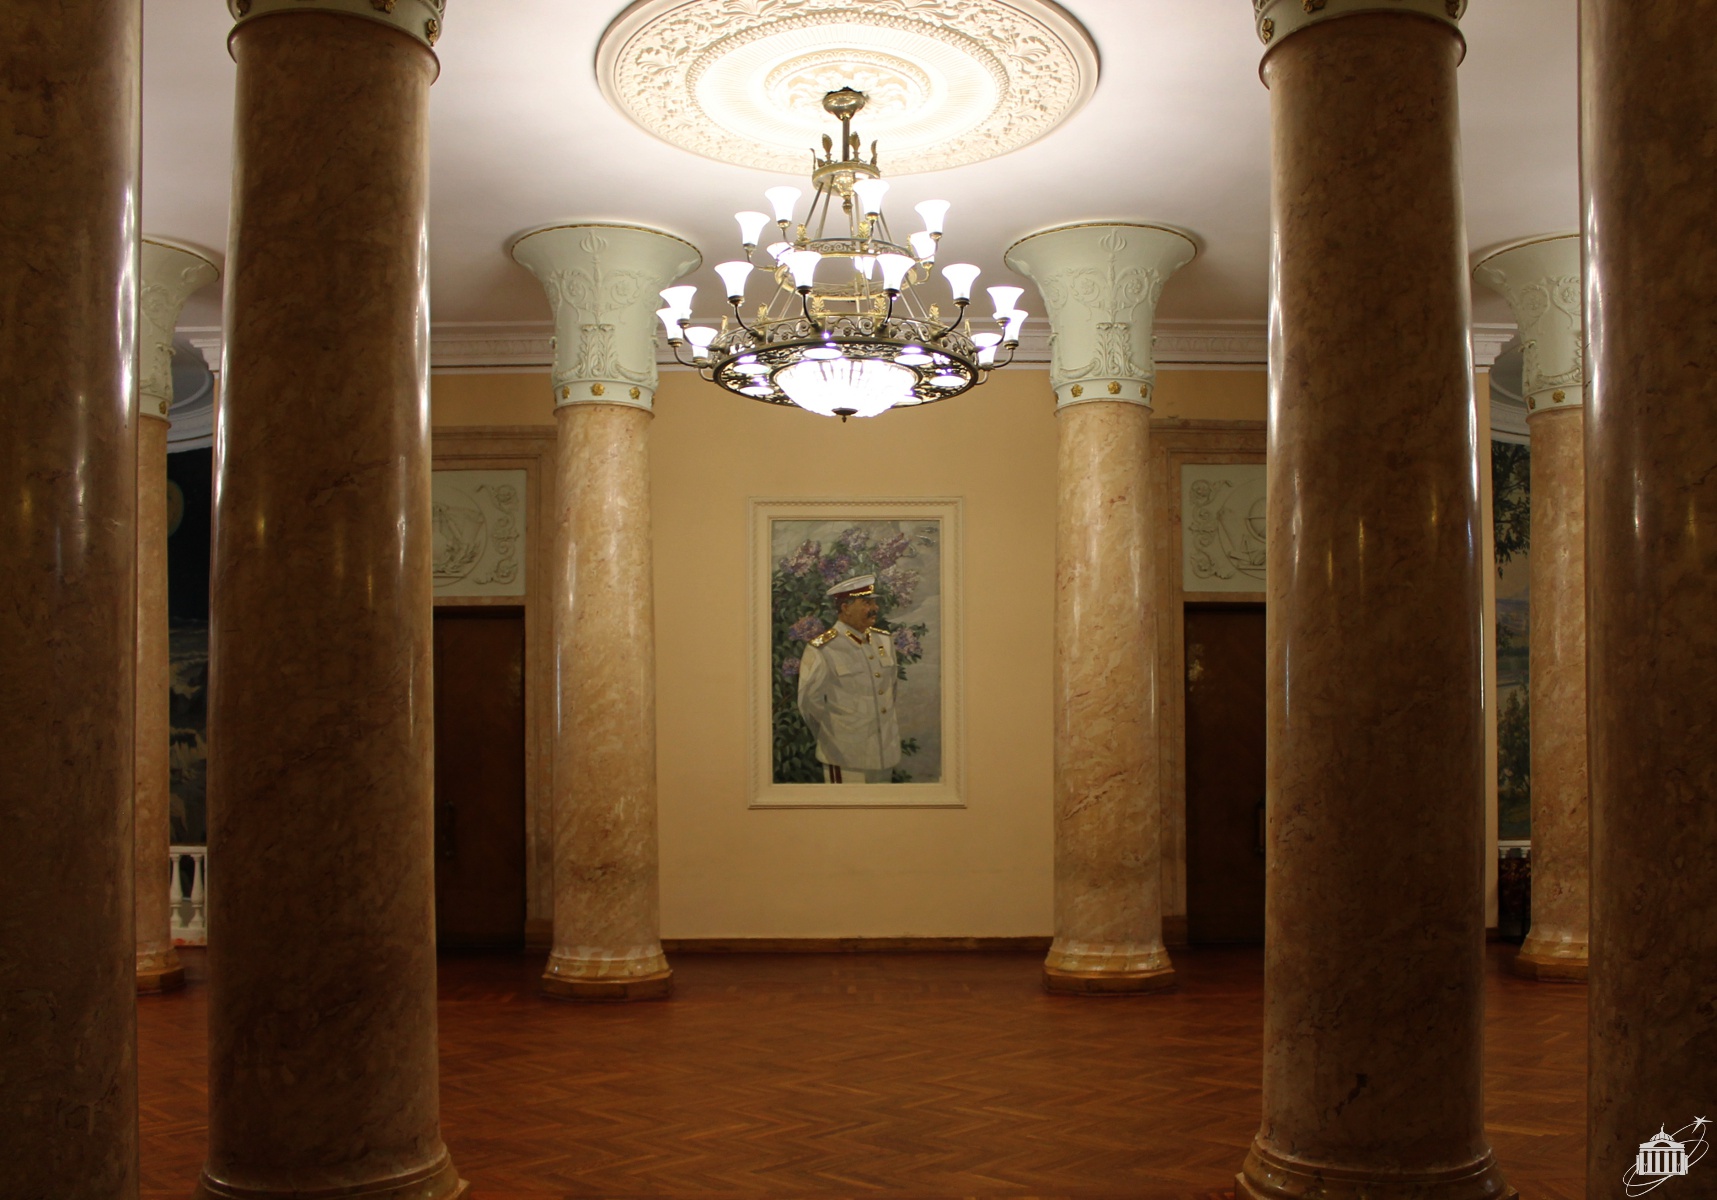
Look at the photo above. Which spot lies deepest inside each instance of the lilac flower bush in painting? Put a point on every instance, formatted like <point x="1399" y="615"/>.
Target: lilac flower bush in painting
<point x="801" y="611"/>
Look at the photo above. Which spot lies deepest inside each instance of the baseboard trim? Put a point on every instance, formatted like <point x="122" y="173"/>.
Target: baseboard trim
<point x="854" y="945"/>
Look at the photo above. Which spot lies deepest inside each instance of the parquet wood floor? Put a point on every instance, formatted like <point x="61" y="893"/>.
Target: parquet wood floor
<point x="915" y="1076"/>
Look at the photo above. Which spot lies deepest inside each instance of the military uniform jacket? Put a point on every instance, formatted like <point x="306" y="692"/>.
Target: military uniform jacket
<point x="846" y="695"/>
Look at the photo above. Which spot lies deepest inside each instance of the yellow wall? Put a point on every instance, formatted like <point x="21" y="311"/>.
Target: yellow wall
<point x="732" y="871"/>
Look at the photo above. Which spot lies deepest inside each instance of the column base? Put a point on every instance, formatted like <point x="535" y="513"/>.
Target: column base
<point x="1267" y="1176"/>
<point x="440" y="1182"/>
<point x="642" y="987"/>
<point x="159" y="971"/>
<point x="1107" y="983"/>
<point x="1534" y="963"/>
<point x="153" y="981"/>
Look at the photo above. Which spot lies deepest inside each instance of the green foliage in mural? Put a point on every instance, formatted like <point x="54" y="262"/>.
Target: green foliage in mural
<point x="1511" y="499"/>
<point x="1514" y="766"/>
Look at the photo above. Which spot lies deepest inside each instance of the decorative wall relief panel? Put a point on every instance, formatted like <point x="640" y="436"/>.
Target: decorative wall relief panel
<point x="1222" y="527"/>
<point x="479" y="532"/>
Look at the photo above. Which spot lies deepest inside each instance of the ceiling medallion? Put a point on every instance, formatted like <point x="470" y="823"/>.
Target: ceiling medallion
<point x="950" y="82"/>
<point x="860" y="340"/>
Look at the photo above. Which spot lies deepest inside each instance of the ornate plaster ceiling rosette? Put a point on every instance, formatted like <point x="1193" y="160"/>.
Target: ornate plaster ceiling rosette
<point x="950" y="82"/>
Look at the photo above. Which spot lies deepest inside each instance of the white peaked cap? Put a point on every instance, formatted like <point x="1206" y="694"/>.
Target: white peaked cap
<point x="858" y="585"/>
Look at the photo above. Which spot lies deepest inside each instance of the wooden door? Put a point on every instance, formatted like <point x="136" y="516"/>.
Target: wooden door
<point x="480" y="778"/>
<point x="1225" y="727"/>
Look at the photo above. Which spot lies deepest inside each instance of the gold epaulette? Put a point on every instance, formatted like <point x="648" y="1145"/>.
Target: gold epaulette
<point x="884" y="632"/>
<point x="823" y="638"/>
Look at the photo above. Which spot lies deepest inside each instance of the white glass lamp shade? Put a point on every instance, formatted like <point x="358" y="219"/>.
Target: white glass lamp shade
<point x="864" y="264"/>
<point x="1015" y="322"/>
<point x="870" y="193"/>
<point x="894" y="269"/>
<point x="782" y="200"/>
<point x="680" y="299"/>
<point x="670" y="319"/>
<point x="987" y="344"/>
<point x="961" y="277"/>
<point x="1006" y="299"/>
<point x="778" y="250"/>
<point x="751" y="226"/>
<point x="733" y="275"/>
<point x="923" y="245"/>
<point x="700" y="336"/>
<point x="934" y="212"/>
<point x="803" y="264"/>
<point x="863" y="387"/>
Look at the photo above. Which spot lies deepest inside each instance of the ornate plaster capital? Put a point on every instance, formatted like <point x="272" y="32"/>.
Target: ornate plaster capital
<point x="421" y="19"/>
<point x="603" y="283"/>
<point x="1100" y="283"/>
<point x="169" y="274"/>
<point x="1540" y="278"/>
<point x="1280" y="19"/>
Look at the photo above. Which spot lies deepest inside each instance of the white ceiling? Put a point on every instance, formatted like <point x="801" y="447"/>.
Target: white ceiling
<point x="1178" y="132"/>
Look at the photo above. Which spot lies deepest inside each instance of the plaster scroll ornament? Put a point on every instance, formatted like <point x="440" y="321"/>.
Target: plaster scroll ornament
<point x="1101" y="284"/>
<point x="169" y="274"/>
<point x="602" y="282"/>
<point x="949" y="82"/>
<point x="419" y="19"/>
<point x="1277" y="19"/>
<point x="1540" y="279"/>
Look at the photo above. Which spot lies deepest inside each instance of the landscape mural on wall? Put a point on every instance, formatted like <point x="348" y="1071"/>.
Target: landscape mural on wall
<point x="807" y="557"/>
<point x="1511" y="499"/>
<point x="189" y="524"/>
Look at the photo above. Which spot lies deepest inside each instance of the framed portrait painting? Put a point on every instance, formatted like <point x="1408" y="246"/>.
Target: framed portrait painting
<point x="856" y="653"/>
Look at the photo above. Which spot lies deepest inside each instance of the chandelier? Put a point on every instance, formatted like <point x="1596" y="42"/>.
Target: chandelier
<point x="845" y="330"/>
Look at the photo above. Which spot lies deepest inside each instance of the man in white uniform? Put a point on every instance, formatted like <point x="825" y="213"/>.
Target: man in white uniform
<point x="846" y="689"/>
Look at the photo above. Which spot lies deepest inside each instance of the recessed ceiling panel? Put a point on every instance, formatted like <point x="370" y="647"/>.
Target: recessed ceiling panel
<point x="949" y="82"/>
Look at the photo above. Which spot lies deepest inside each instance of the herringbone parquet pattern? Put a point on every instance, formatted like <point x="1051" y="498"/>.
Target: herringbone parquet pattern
<point x="837" y="1076"/>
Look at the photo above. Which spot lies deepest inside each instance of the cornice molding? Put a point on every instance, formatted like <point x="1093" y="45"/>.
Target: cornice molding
<point x="474" y="347"/>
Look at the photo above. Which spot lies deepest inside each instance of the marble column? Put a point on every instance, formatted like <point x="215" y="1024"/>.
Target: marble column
<point x="602" y="283"/>
<point x="68" y="212"/>
<point x="1374" y="952"/>
<point x="1649" y="85"/>
<point x="1541" y="279"/>
<point x="169" y="274"/>
<point x="322" y="1002"/>
<point x="1101" y="284"/>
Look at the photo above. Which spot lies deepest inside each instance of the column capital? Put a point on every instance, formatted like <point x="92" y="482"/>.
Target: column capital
<point x="1100" y="283"/>
<point x="603" y="282"/>
<point x="168" y="274"/>
<point x="1540" y="278"/>
<point x="1278" y="19"/>
<point x="421" y="19"/>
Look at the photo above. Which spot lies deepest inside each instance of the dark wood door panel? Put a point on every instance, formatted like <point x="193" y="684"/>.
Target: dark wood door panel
<point x="1225" y="730"/>
<point x="480" y="777"/>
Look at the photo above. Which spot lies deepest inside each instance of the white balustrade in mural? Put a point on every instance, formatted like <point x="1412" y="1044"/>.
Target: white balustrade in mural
<point x="187" y="895"/>
<point x="478" y="533"/>
<point x="1222" y="526"/>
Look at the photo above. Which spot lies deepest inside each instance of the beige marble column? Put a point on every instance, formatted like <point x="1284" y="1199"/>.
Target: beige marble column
<point x="322" y="1036"/>
<point x="1374" y="965"/>
<point x="1101" y="283"/>
<point x="1649" y="85"/>
<point x="68" y="204"/>
<point x="1541" y="279"/>
<point x="602" y="283"/>
<point x="168" y="275"/>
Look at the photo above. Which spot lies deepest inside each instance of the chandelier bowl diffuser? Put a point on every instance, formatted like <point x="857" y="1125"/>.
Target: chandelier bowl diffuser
<point x="845" y="330"/>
